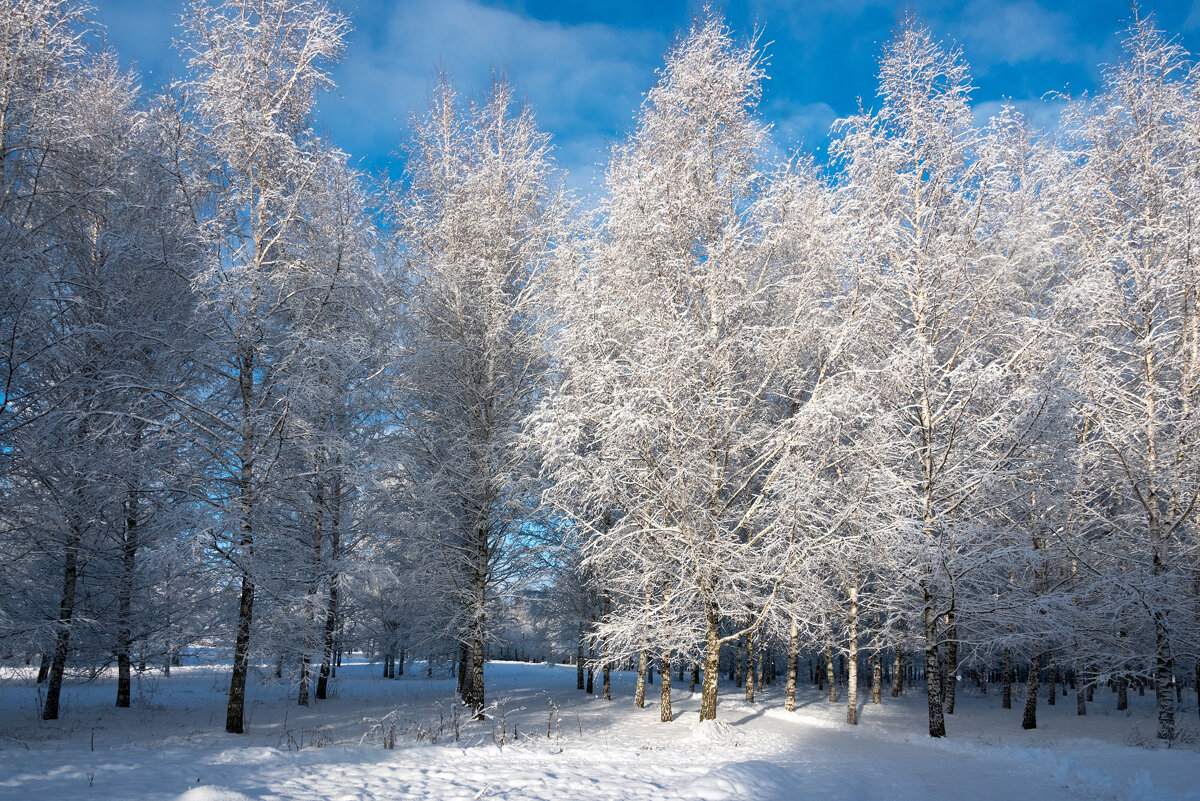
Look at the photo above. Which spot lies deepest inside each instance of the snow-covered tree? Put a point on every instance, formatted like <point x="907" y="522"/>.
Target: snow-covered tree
<point x="1131" y="320"/>
<point x="677" y="332"/>
<point x="255" y="70"/>
<point x="478" y="219"/>
<point x="917" y="179"/>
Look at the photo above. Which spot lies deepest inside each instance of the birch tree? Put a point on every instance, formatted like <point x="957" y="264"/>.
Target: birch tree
<point x="1131" y="313"/>
<point x="479" y="218"/>
<point x="256" y="69"/>
<point x="917" y="177"/>
<point x="675" y="333"/>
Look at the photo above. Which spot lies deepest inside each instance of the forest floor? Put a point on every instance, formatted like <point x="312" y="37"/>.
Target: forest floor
<point x="546" y="740"/>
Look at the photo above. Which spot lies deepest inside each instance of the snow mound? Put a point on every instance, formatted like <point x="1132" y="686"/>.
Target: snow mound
<point x="212" y="792"/>
<point x="714" y="732"/>
<point x="737" y="781"/>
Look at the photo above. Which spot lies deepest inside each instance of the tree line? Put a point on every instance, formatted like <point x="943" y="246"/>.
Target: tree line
<point x="933" y="399"/>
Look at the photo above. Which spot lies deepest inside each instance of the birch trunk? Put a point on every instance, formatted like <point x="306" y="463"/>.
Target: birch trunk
<point x="750" y="666"/>
<point x="1029" y="718"/>
<point x="951" y="665"/>
<point x="1006" y="693"/>
<point x="66" y="613"/>
<point x="129" y="549"/>
<point x="235" y="707"/>
<point x="712" y="663"/>
<point x="664" y="703"/>
<point x="829" y="677"/>
<point x="937" y="722"/>
<point x="789" y="692"/>
<point x="639" y="694"/>
<point x="852" y="659"/>
<point x="331" y="611"/>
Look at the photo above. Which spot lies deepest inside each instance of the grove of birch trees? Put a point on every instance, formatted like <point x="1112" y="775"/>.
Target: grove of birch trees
<point x="928" y="409"/>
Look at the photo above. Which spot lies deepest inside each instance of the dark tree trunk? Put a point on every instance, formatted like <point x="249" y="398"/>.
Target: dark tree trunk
<point x="579" y="655"/>
<point x="591" y="666"/>
<point x="477" y="699"/>
<point x="66" y="613"/>
<point x="741" y="661"/>
<point x="129" y="549"/>
<point x="1052" y="679"/>
<point x="1162" y="679"/>
<point x="331" y="611"/>
<point x="829" y="677"/>
<point x="606" y="672"/>
<point x="937" y="722"/>
<point x="235" y="707"/>
<point x="877" y="677"/>
<point x="1007" y="678"/>
<point x="950" y="668"/>
<point x="234" y="710"/>
<point x="1029" y="719"/>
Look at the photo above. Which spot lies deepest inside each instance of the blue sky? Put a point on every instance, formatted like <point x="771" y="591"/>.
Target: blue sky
<point x="585" y="65"/>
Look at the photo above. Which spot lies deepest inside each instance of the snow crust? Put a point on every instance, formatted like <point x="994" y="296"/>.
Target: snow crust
<point x="169" y="746"/>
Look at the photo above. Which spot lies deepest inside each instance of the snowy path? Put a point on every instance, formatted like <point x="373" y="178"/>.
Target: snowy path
<point x="603" y="751"/>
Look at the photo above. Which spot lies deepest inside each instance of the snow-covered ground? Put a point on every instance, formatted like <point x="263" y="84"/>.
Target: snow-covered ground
<point x="170" y="745"/>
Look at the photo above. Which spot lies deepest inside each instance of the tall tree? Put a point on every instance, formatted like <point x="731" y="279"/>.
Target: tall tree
<point x="917" y="180"/>
<point x="256" y="68"/>
<point x="1133" y="323"/>
<point x="676" y="335"/>
<point x="479" y="218"/>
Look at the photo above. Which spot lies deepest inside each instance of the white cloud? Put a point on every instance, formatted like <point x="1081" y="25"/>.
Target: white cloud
<point x="800" y="125"/>
<point x="1193" y="18"/>
<point x="1001" y="32"/>
<point x="1044" y="115"/>
<point x="584" y="81"/>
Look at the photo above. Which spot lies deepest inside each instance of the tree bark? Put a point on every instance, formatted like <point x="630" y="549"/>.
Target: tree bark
<point x="829" y="677"/>
<point x="579" y="655"/>
<point x="664" y="703"/>
<point x="129" y="549"/>
<point x="750" y="666"/>
<point x="331" y="611"/>
<point x="789" y="692"/>
<point x="639" y="694"/>
<point x="852" y="659"/>
<point x="937" y="721"/>
<point x="235" y="707"/>
<point x="1029" y="718"/>
<point x="606" y="672"/>
<point x="1051" y="678"/>
<point x="950" y="667"/>
<point x="712" y="663"/>
<point x="66" y="613"/>
<point x="897" y="672"/>
<point x="1006" y="692"/>
<point x="234" y="722"/>
<point x="877" y="677"/>
<point x="1162" y="678"/>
